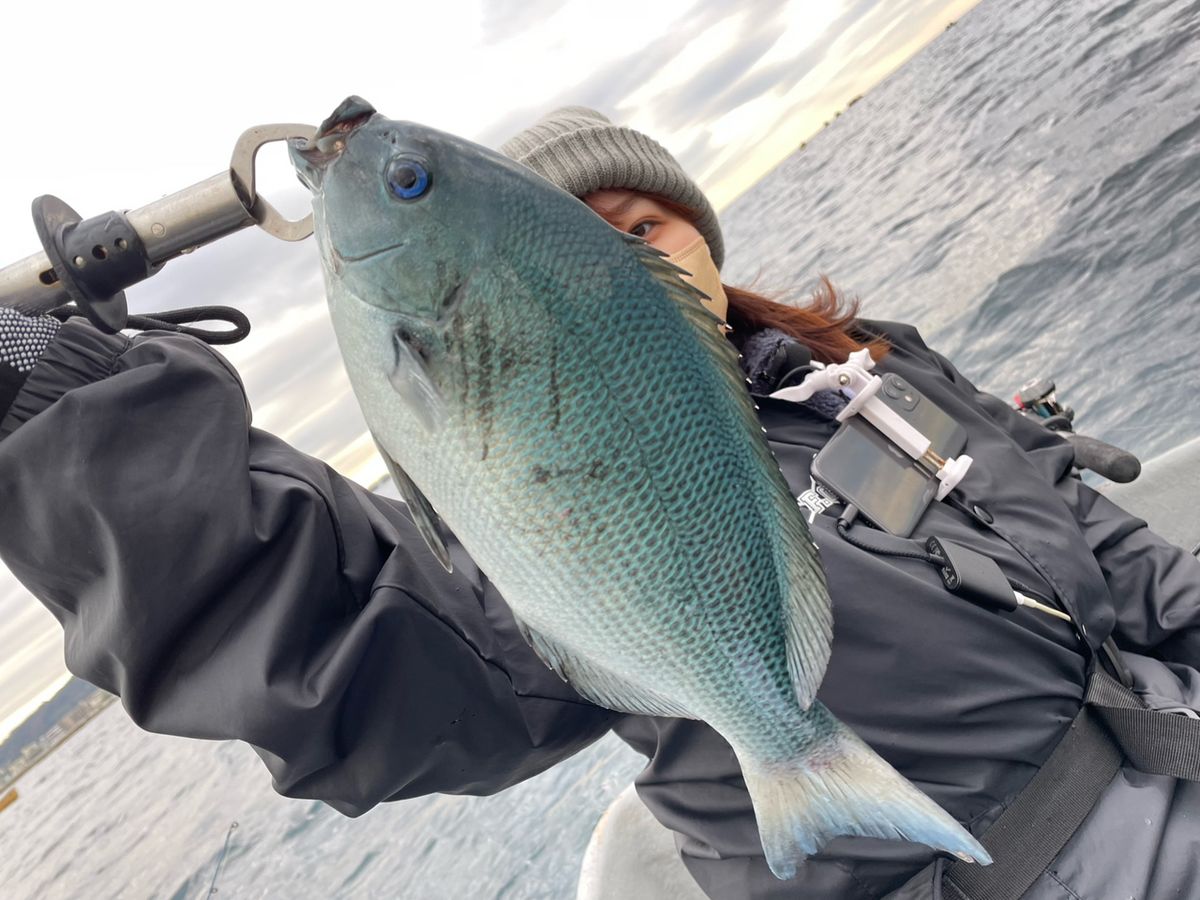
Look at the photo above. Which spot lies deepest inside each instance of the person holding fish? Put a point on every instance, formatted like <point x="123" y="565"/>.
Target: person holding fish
<point x="600" y="532"/>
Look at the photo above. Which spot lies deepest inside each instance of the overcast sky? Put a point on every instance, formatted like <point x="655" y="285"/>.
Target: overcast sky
<point x="112" y="107"/>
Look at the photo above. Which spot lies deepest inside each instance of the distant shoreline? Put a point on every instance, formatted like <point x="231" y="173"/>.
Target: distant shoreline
<point x="69" y="724"/>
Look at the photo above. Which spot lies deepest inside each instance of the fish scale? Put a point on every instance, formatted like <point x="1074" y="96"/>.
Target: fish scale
<point x="554" y="392"/>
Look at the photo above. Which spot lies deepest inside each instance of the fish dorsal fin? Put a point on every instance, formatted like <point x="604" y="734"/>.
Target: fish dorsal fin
<point x="419" y="507"/>
<point x="596" y="683"/>
<point x="807" y="618"/>
<point x="670" y="276"/>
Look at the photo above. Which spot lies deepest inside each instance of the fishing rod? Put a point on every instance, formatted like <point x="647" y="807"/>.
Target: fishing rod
<point x="90" y="262"/>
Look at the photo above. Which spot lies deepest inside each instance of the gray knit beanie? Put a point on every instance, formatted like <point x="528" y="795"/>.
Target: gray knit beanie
<point x="581" y="151"/>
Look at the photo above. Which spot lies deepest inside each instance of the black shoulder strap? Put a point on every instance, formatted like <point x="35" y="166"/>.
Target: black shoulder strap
<point x="1154" y="742"/>
<point x="1112" y="725"/>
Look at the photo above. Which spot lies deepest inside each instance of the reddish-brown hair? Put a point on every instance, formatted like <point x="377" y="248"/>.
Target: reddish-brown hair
<point x="826" y="325"/>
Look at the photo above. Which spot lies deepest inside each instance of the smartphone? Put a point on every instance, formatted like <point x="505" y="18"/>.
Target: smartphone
<point x="887" y="485"/>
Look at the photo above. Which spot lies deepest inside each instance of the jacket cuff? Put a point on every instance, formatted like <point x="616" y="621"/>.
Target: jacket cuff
<point x="79" y="354"/>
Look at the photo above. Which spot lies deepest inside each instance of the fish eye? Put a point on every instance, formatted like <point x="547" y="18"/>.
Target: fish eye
<point x="407" y="178"/>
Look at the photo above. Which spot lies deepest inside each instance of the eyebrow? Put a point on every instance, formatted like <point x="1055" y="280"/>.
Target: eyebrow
<point x="618" y="209"/>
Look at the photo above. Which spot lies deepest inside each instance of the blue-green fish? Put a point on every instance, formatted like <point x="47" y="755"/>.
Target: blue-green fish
<point x="556" y="394"/>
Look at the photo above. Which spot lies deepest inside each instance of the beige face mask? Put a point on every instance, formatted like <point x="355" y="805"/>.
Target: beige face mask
<point x="696" y="259"/>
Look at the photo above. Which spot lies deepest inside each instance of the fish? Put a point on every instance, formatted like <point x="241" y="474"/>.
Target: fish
<point x="551" y="390"/>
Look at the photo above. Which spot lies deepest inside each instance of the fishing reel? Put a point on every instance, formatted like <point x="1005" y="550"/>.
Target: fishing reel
<point x="1037" y="400"/>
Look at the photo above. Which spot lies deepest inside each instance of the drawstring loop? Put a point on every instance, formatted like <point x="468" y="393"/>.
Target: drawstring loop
<point x="174" y="319"/>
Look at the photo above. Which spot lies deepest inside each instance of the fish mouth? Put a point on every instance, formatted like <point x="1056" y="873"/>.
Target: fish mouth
<point x="330" y="140"/>
<point x="359" y="257"/>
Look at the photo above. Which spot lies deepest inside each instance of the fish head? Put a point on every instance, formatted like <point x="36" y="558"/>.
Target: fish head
<point x="403" y="213"/>
<point x="439" y="255"/>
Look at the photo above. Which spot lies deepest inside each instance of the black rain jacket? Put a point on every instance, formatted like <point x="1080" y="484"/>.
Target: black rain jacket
<point x="225" y="585"/>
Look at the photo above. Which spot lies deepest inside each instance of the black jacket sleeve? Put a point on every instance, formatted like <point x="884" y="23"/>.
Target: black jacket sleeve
<point x="225" y="585"/>
<point x="1155" y="585"/>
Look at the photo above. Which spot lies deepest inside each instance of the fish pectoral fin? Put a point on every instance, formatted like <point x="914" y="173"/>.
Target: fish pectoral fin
<point x="411" y="380"/>
<point x="597" y="683"/>
<point x="419" y="507"/>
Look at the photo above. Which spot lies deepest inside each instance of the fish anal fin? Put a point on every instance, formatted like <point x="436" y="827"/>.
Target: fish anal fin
<point x="598" y="684"/>
<point x="424" y="516"/>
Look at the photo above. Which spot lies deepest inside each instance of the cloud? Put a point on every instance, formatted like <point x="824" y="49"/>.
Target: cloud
<point x="859" y="12"/>
<point x="870" y="30"/>
<point x="23" y="636"/>
<point x="609" y="86"/>
<point x="696" y="154"/>
<point x="714" y="90"/>
<point x="503" y="19"/>
<point x="601" y="91"/>
<point x="708" y="86"/>
<point x="778" y="78"/>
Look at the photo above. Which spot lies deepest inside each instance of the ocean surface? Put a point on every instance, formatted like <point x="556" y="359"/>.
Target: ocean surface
<point x="1026" y="191"/>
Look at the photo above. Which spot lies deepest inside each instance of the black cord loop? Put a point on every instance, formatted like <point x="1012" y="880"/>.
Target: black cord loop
<point x="174" y="319"/>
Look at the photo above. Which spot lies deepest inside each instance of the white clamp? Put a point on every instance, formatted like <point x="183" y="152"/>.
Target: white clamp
<point x="853" y="379"/>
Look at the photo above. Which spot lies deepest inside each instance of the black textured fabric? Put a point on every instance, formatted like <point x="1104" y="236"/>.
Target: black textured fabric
<point x="761" y="359"/>
<point x="23" y="339"/>
<point x="763" y="363"/>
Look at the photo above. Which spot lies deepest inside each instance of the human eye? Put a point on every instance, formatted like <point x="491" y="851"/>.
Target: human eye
<point x="642" y="228"/>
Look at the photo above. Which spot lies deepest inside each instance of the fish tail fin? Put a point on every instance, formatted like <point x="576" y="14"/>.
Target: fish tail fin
<point x="843" y="787"/>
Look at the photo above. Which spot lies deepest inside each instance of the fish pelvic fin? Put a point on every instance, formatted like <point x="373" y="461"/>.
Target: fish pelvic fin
<point x="597" y="683"/>
<point x="842" y="787"/>
<point x="419" y="507"/>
